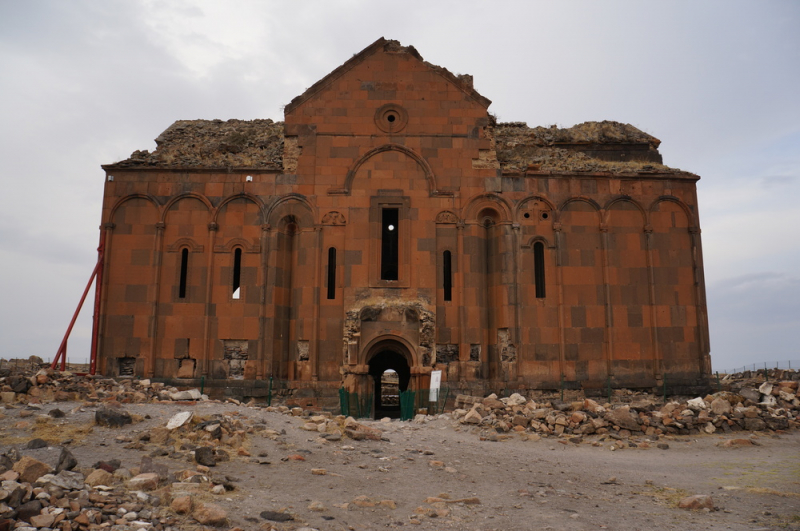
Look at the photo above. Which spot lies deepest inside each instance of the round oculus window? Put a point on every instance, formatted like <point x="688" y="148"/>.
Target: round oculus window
<point x="391" y="118"/>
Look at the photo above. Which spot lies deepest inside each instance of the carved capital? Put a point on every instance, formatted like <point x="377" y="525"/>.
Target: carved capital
<point x="694" y="230"/>
<point x="557" y="226"/>
<point x="604" y="227"/>
<point x="266" y="227"/>
<point x="648" y="229"/>
<point x="333" y="218"/>
<point x="160" y="225"/>
<point x="108" y="226"/>
<point x="213" y="226"/>
<point x="446" y="216"/>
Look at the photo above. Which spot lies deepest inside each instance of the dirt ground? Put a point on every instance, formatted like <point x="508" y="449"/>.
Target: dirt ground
<point x="551" y="483"/>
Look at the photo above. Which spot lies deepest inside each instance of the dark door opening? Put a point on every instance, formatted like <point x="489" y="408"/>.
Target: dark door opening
<point x="391" y="374"/>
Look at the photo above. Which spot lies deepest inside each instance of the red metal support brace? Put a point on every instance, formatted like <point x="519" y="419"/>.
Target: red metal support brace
<point x="96" y="274"/>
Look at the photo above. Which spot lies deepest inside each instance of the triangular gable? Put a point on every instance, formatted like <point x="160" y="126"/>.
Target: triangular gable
<point x="463" y="83"/>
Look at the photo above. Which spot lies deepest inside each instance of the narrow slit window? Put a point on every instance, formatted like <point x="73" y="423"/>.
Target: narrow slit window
<point x="447" y="275"/>
<point x="389" y="243"/>
<point x="184" y="273"/>
<point x="332" y="273"/>
<point x="237" y="273"/>
<point x="538" y="268"/>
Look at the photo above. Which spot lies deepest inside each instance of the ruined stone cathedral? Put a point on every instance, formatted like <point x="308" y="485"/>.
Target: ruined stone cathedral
<point x="390" y="223"/>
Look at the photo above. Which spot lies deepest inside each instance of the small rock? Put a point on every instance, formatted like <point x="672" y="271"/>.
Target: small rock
<point x="210" y="514"/>
<point x="623" y="418"/>
<point x="204" y="455"/>
<point x="720" y="406"/>
<point x="276" y="516"/>
<point x="181" y="504"/>
<point x="42" y="520"/>
<point x="696" y="404"/>
<point x="696" y="502"/>
<point x="65" y="479"/>
<point x="28" y="510"/>
<point x="191" y="394"/>
<point x="146" y="481"/>
<point x="179" y="419"/>
<point x="29" y="469"/>
<point x="66" y="461"/>
<point x="112" y="417"/>
<point x="99" y="477"/>
<point x="35" y="444"/>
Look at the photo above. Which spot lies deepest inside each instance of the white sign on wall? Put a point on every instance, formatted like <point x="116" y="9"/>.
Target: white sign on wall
<point x="436" y="383"/>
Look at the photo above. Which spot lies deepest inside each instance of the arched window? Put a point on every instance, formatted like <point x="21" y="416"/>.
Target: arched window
<point x="237" y="273"/>
<point x="447" y="275"/>
<point x="389" y="243"/>
<point x="538" y="268"/>
<point x="332" y="273"/>
<point x="184" y="273"/>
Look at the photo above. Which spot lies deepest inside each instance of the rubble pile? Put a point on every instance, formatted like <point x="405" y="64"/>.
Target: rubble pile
<point x="521" y="148"/>
<point x="34" y="495"/>
<point x="36" y="383"/>
<point x="215" y="143"/>
<point x="770" y="406"/>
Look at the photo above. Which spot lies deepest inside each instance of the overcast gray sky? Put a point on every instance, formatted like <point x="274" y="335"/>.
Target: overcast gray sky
<point x="85" y="83"/>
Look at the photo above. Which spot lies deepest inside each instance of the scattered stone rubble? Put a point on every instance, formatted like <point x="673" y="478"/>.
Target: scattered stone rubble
<point x="773" y="406"/>
<point x="74" y="496"/>
<point x="35" y="496"/>
<point x="34" y="382"/>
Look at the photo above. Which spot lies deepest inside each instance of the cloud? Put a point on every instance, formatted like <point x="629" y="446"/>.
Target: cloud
<point x="754" y="317"/>
<point x="86" y="83"/>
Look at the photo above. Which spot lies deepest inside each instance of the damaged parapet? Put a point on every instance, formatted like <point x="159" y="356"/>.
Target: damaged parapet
<point x="215" y="144"/>
<point x="591" y="146"/>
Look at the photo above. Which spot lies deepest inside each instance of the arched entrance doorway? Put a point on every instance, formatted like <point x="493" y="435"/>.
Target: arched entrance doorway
<point x="391" y="373"/>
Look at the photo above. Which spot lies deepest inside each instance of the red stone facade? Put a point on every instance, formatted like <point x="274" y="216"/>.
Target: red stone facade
<point x="240" y="251"/>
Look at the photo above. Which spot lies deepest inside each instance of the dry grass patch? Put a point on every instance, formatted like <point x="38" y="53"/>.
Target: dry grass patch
<point x="666" y="495"/>
<point x="764" y="490"/>
<point x="54" y="433"/>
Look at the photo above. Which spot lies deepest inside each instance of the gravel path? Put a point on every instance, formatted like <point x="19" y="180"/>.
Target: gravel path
<point x="438" y="474"/>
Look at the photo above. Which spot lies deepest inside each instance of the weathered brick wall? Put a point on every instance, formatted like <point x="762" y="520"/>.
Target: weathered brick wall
<point x="623" y="286"/>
